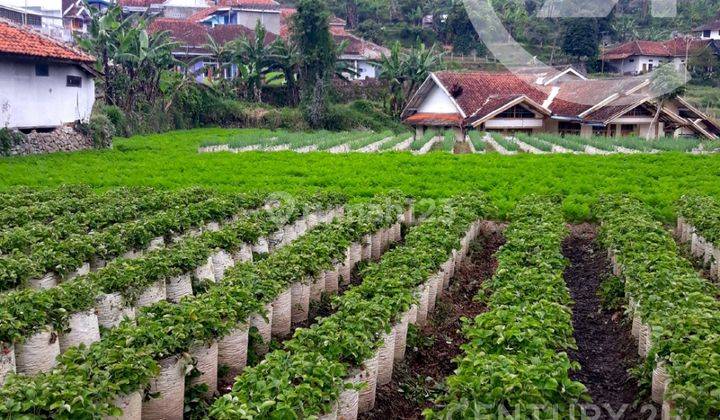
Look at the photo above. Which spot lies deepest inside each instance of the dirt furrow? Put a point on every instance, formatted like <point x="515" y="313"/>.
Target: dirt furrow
<point x="418" y="380"/>
<point x="606" y="349"/>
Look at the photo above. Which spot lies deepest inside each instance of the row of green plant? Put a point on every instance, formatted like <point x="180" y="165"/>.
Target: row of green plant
<point x="663" y="144"/>
<point x="24" y="312"/>
<point x="328" y="142"/>
<point x="703" y="214"/>
<point x="86" y="380"/>
<point x="370" y="139"/>
<point x="574" y="143"/>
<point x="395" y="141"/>
<point x="43" y="211"/>
<point x="448" y="143"/>
<point x="534" y="141"/>
<point x="69" y="254"/>
<point x="477" y="139"/>
<point x="306" y="378"/>
<point x="22" y="196"/>
<point x="680" y="307"/>
<point x="506" y="143"/>
<point x="515" y="358"/>
<point x="94" y="213"/>
<point x="419" y="142"/>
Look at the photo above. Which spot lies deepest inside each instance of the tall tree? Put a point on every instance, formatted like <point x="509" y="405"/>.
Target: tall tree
<point x="581" y="39"/>
<point x="310" y="28"/>
<point x="285" y="57"/>
<point x="255" y="56"/>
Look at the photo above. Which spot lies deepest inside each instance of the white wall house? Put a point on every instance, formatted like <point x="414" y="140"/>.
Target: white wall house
<point x="640" y="57"/>
<point x="710" y="30"/>
<point x="644" y="64"/>
<point x="43" y="83"/>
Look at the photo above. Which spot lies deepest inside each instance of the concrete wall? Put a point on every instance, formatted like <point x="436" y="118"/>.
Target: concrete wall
<point x="713" y="35"/>
<point x="270" y="20"/>
<point x="438" y="102"/>
<point x="180" y="12"/>
<point x="30" y="101"/>
<point x="513" y="123"/>
<point x="640" y="64"/>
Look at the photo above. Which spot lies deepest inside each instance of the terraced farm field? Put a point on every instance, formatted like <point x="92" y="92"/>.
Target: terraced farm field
<point x="160" y="283"/>
<point x="444" y="141"/>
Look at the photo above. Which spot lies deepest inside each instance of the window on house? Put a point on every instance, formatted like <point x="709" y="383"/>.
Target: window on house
<point x="516" y="112"/>
<point x="627" y="130"/>
<point x="706" y="34"/>
<point x="569" y="128"/>
<point x="600" y="131"/>
<point x="639" y="112"/>
<point x="42" y="70"/>
<point x="632" y="60"/>
<point x="74" y="81"/>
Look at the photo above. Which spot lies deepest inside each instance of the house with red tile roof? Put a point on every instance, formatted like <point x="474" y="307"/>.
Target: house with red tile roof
<point x="710" y="30"/>
<point x="638" y="57"/>
<point x="193" y="38"/>
<point x="43" y="82"/>
<point x="360" y="54"/>
<point x="521" y="101"/>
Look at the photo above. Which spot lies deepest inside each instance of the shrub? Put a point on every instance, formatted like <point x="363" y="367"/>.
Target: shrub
<point x="102" y="131"/>
<point x="9" y="139"/>
<point x="117" y="118"/>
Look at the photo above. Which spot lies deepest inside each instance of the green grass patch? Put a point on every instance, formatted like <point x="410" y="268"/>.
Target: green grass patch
<point x="171" y="160"/>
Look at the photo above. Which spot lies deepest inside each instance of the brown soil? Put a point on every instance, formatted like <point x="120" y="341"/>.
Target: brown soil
<point x="606" y="349"/>
<point x="429" y="358"/>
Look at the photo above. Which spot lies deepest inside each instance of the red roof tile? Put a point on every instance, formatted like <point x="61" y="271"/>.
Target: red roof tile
<point x="710" y="26"/>
<point x="473" y="90"/>
<point x="676" y="47"/>
<point x="193" y="34"/>
<point x="16" y="40"/>
<point x="576" y="97"/>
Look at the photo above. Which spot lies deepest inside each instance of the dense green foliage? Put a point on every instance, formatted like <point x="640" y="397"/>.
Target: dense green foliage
<point x="27" y="311"/>
<point x="558" y="39"/>
<point x="185" y="210"/>
<point x="306" y="377"/>
<point x="126" y="358"/>
<point x="703" y="214"/>
<point x="515" y="359"/>
<point x="680" y="307"/>
<point x="659" y="180"/>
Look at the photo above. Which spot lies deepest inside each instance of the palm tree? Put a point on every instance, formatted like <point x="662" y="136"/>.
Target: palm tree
<point x="255" y="55"/>
<point x="405" y="72"/>
<point x="218" y="54"/>
<point x="100" y="41"/>
<point x="285" y="57"/>
<point x="392" y="71"/>
<point x="419" y="63"/>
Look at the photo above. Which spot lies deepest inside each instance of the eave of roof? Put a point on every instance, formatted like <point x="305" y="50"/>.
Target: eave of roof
<point x="435" y="119"/>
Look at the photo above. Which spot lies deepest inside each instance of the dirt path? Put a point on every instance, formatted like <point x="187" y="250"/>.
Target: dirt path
<point x="418" y="379"/>
<point x="606" y="349"/>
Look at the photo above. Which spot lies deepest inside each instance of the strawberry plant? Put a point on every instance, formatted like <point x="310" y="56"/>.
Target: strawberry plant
<point x="515" y="358"/>
<point x="680" y="306"/>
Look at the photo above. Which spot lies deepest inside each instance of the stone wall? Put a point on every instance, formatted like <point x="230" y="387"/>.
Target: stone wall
<point x="62" y="139"/>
